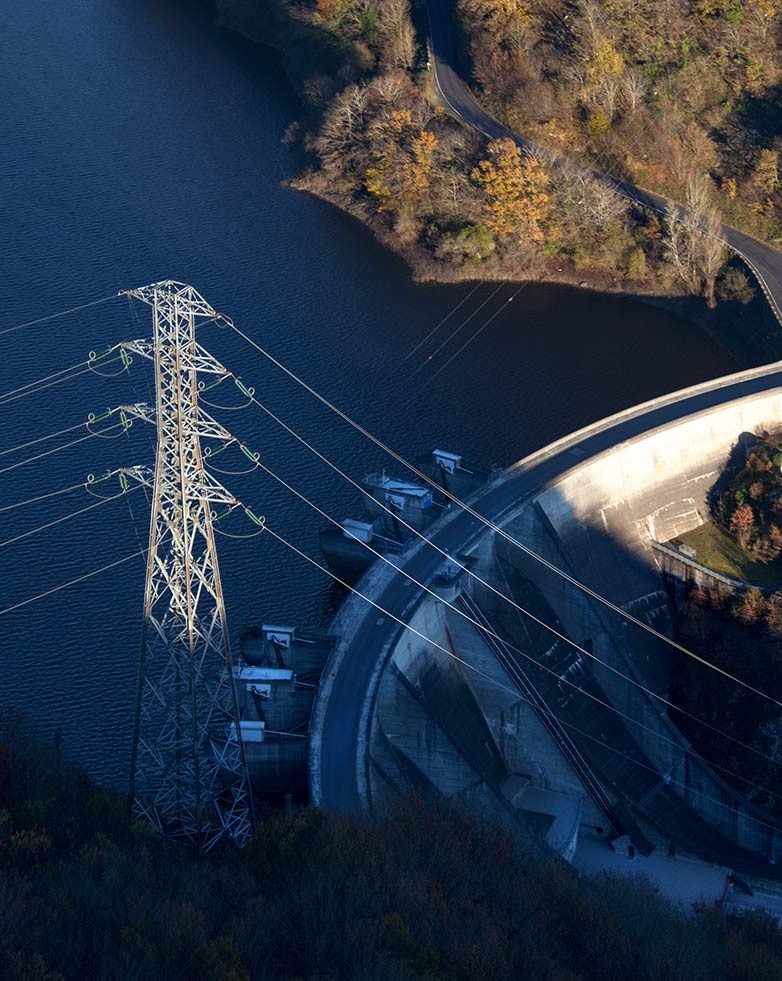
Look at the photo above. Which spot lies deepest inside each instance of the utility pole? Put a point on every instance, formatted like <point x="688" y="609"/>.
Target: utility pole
<point x="188" y="771"/>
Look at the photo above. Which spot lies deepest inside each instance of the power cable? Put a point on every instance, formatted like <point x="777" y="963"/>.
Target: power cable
<point x="459" y="329"/>
<point x="477" y="333"/>
<point x="54" y="374"/>
<point x="42" y="439"/>
<point x="61" y="313"/>
<point x="67" y="517"/>
<point x="72" y="582"/>
<point x="664" y="780"/>
<point x="447" y="317"/>
<point x="41" y="497"/>
<point x="561" y="678"/>
<point x="59" y="381"/>
<point x="57" y="449"/>
<point x="493" y="527"/>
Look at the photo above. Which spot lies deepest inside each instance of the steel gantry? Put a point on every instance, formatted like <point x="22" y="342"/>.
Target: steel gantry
<point x="188" y="771"/>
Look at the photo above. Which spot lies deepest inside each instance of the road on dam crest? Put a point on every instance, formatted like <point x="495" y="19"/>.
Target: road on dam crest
<point x="337" y="736"/>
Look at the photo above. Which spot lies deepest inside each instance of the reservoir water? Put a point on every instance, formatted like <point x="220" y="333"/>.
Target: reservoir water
<point x="138" y="143"/>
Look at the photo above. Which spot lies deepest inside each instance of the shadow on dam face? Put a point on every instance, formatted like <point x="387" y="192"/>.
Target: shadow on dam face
<point x="629" y="737"/>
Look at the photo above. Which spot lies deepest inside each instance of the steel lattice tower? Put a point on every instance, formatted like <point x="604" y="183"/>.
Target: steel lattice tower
<point x="188" y="772"/>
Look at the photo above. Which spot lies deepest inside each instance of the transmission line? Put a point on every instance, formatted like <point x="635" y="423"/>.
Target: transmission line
<point x="73" y="582"/>
<point x="664" y="780"/>
<point x="54" y="374"/>
<point x="446" y="318"/>
<point x="67" y="517"/>
<point x="483" y="582"/>
<point x="60" y="313"/>
<point x="487" y="585"/>
<point x="65" y="446"/>
<point x="493" y="527"/>
<point x="41" y="497"/>
<point x="57" y="381"/>
<point x="490" y="320"/>
<point x="459" y="329"/>
<point x="492" y="633"/>
<point x="474" y="575"/>
<point x="42" y="439"/>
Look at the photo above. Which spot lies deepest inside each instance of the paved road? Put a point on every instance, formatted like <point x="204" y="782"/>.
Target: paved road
<point x="764" y="260"/>
<point x="336" y="736"/>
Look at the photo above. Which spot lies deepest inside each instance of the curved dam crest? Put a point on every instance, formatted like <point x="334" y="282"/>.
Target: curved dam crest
<point x="592" y="504"/>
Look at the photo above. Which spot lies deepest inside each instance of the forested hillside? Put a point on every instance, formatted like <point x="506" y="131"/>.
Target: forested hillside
<point x="427" y="893"/>
<point x="669" y="93"/>
<point x="680" y="97"/>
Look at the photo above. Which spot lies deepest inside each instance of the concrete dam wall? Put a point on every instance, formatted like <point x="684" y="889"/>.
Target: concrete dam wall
<point x="589" y="721"/>
<point x="598" y="522"/>
<point x="655" y="487"/>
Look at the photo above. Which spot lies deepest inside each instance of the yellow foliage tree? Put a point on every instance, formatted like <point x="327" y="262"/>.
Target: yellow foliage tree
<point x="403" y="163"/>
<point x="767" y="171"/>
<point x="515" y="188"/>
<point x="604" y="61"/>
<point x="497" y="16"/>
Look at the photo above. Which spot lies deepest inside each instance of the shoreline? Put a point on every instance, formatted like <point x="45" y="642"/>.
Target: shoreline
<point x="726" y="323"/>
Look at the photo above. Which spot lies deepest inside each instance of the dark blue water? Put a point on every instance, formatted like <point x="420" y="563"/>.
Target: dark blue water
<point x="139" y="143"/>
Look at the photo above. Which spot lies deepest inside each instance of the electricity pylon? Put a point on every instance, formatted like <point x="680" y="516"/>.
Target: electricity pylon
<point x="188" y="772"/>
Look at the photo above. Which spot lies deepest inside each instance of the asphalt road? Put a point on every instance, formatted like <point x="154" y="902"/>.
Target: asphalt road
<point x="337" y="743"/>
<point x="764" y="260"/>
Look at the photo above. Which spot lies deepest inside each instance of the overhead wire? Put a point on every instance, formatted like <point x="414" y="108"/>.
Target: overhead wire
<point x="54" y="374"/>
<point x="60" y="313"/>
<point x="60" y="381"/>
<point x="497" y="529"/>
<point x="41" y="497"/>
<point x="472" y="574"/>
<point x="561" y="678"/>
<point x="58" y="449"/>
<point x="67" y="517"/>
<point x="72" y="582"/>
<point x="665" y="780"/>
<point x="459" y="329"/>
<point x="473" y="337"/>
<point x="444" y="320"/>
<point x="42" y="439"/>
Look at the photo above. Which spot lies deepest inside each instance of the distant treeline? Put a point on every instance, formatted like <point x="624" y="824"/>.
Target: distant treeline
<point x="427" y="893"/>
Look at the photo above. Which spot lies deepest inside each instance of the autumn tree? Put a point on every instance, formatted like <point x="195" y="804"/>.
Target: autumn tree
<point x="340" y="144"/>
<point x="404" y="160"/>
<point x="742" y="523"/>
<point x="751" y="608"/>
<point x="767" y="171"/>
<point x="774" y="614"/>
<point x="498" y="18"/>
<point x="696" y="248"/>
<point x="397" y="34"/>
<point x="515" y="189"/>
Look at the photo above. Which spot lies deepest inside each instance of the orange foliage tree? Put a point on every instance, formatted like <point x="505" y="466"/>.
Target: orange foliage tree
<point x="515" y="188"/>
<point x="404" y="163"/>
<point x="742" y="523"/>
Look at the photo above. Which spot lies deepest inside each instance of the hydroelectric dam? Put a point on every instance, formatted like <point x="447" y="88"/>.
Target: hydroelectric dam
<point x="515" y="657"/>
